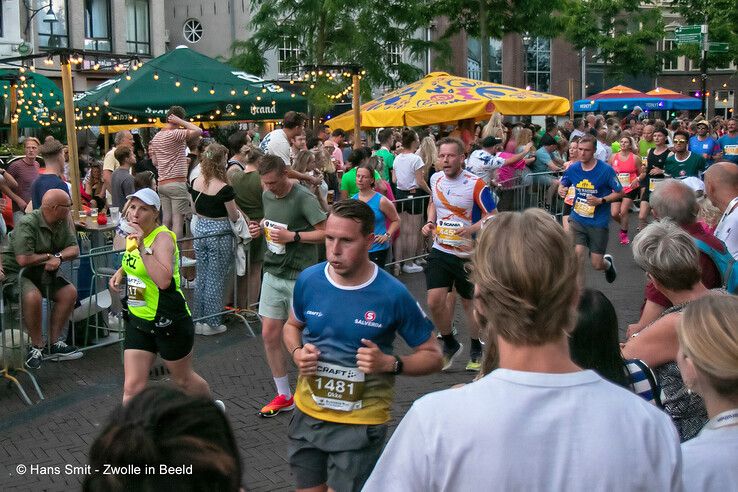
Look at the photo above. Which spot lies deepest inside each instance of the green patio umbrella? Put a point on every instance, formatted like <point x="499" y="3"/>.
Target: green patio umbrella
<point x="208" y="90"/>
<point x="40" y="100"/>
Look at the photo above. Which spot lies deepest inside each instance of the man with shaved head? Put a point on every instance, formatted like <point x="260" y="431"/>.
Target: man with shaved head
<point x="721" y="187"/>
<point x="40" y="242"/>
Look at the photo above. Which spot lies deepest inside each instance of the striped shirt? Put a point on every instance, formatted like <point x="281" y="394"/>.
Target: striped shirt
<point x="640" y="383"/>
<point x="25" y="174"/>
<point x="168" y="152"/>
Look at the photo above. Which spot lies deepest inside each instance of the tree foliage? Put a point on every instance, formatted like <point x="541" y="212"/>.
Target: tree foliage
<point x="622" y="33"/>
<point x="360" y="32"/>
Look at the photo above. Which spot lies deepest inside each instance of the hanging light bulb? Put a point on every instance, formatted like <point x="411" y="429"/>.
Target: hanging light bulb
<point x="233" y="92"/>
<point x="156" y="76"/>
<point x="128" y="76"/>
<point x="195" y="88"/>
<point x="212" y="90"/>
<point x="49" y="60"/>
<point x="117" y="90"/>
<point x="177" y="83"/>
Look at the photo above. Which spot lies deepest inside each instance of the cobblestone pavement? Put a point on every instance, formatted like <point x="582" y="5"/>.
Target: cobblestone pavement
<point x="80" y="395"/>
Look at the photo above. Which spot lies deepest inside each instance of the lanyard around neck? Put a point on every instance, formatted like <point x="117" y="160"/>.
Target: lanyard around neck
<point x="724" y="419"/>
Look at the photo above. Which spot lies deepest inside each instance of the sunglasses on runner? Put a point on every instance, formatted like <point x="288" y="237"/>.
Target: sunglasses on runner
<point x="680" y="141"/>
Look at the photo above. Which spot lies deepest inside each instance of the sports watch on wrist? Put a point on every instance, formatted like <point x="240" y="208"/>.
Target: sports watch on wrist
<point x="397" y="368"/>
<point x="297" y="237"/>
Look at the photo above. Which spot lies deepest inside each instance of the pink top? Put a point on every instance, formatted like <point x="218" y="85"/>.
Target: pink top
<point x="506" y="173"/>
<point x="168" y="152"/>
<point x="623" y="167"/>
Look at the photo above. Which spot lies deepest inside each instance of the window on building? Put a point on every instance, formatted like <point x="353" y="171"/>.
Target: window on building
<point x="474" y="57"/>
<point x="538" y="64"/>
<point x="138" y="38"/>
<point x="393" y="54"/>
<point x="97" y="26"/>
<point x="52" y="34"/>
<point x="192" y="30"/>
<point x="670" y="63"/>
<point x="290" y="55"/>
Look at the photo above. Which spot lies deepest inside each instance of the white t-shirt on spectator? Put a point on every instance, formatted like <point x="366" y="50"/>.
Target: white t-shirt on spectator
<point x="481" y="163"/>
<point x="711" y="460"/>
<point x="525" y="431"/>
<point x="276" y="143"/>
<point x="727" y="229"/>
<point x="603" y="152"/>
<point x="405" y="166"/>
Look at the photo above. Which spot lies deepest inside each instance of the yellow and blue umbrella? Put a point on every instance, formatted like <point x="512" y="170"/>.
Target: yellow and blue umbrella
<point x="440" y="98"/>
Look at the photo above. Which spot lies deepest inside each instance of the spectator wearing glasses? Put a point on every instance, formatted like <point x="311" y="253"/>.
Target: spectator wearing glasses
<point x="41" y="241"/>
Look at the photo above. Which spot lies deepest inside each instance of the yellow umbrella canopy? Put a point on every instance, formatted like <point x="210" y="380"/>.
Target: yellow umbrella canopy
<point x="439" y="98"/>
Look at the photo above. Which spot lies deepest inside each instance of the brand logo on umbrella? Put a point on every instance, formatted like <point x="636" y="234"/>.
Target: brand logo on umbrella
<point x="264" y="109"/>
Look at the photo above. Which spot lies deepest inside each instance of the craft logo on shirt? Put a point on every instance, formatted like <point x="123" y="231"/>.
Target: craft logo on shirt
<point x="317" y="314"/>
<point x="585" y="184"/>
<point x="370" y="315"/>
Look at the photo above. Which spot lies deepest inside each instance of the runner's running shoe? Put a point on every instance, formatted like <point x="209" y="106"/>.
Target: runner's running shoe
<point x="475" y="361"/>
<point x="454" y="331"/>
<point x="277" y="405"/>
<point x="624" y="238"/>
<point x="450" y="355"/>
<point x="610" y="274"/>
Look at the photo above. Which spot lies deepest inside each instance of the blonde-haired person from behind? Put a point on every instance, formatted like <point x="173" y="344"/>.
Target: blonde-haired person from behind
<point x="214" y="202"/>
<point x="538" y="421"/>
<point x="428" y="152"/>
<point x="708" y="361"/>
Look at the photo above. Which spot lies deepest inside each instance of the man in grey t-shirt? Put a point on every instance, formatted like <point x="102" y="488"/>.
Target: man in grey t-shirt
<point x="121" y="182"/>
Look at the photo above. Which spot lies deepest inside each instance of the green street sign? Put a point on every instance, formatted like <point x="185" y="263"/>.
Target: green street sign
<point x="688" y="38"/>
<point x="718" y="47"/>
<point x="688" y="30"/>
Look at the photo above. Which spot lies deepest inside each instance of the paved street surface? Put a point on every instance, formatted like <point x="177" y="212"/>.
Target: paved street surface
<point x="81" y="394"/>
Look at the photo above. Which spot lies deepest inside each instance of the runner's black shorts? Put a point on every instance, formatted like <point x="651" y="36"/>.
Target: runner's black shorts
<point x="632" y="194"/>
<point x="172" y="342"/>
<point x="445" y="270"/>
<point x="594" y="238"/>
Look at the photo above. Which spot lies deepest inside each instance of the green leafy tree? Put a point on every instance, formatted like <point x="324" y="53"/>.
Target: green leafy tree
<point x="486" y="19"/>
<point x="361" y="32"/>
<point x="622" y="33"/>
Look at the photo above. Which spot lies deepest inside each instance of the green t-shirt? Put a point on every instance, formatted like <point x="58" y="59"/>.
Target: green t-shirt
<point x="300" y="211"/>
<point x="691" y="166"/>
<point x="32" y="235"/>
<point x="644" y="146"/>
<point x="248" y="193"/>
<point x="348" y="181"/>
<point x="145" y="299"/>
<point x="389" y="160"/>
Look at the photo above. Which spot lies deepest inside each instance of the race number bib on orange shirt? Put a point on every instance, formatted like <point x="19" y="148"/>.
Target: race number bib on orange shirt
<point x="624" y="179"/>
<point x="336" y="387"/>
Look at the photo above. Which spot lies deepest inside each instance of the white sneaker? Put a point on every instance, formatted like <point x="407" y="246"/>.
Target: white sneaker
<point x="220" y="405"/>
<point x="410" y="267"/>
<point x="206" y="329"/>
<point x="198" y="328"/>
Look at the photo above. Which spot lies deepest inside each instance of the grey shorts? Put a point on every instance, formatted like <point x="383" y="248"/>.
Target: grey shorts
<point x="276" y="297"/>
<point x="341" y="455"/>
<point x="594" y="238"/>
<point x="175" y="198"/>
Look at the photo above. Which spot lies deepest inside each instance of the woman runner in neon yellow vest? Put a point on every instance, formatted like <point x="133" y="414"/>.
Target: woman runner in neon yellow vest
<point x="159" y="321"/>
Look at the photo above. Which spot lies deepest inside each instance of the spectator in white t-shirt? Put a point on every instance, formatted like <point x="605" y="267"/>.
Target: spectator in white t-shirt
<point x="537" y="421"/>
<point x="408" y="175"/>
<point x="708" y="361"/>
<point x="277" y="142"/>
<point x="721" y="187"/>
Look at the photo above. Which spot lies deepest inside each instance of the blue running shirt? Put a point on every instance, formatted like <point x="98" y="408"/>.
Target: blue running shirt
<point x="600" y="181"/>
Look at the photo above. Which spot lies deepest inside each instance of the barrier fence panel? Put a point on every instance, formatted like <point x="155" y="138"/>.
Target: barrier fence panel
<point x="90" y="325"/>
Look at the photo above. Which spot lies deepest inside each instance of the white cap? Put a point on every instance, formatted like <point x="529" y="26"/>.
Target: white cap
<point x="148" y="196"/>
<point x="638" y="108"/>
<point x="696" y="184"/>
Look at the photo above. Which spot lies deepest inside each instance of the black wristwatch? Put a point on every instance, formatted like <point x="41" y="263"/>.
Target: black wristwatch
<point x="604" y="200"/>
<point x="397" y="368"/>
<point x="59" y="255"/>
<point x="297" y="237"/>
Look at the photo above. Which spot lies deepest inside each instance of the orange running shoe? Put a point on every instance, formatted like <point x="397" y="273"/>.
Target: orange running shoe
<point x="279" y="404"/>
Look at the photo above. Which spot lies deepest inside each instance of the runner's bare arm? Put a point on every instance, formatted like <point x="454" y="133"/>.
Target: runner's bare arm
<point x="425" y="359"/>
<point x="431" y="224"/>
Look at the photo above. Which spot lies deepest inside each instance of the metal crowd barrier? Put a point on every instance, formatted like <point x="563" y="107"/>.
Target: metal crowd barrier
<point x="90" y="316"/>
<point x="532" y="190"/>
